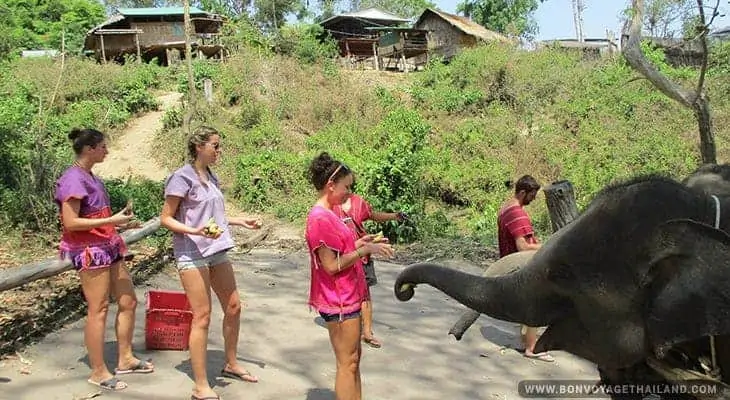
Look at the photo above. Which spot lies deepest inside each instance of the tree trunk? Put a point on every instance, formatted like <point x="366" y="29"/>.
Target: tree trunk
<point x="187" y="118"/>
<point x="696" y="101"/>
<point x="560" y="200"/>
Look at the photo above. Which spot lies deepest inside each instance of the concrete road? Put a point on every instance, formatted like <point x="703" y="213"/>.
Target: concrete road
<point x="287" y="347"/>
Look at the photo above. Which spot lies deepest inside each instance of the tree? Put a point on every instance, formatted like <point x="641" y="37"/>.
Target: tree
<point x="667" y="18"/>
<point x="696" y="99"/>
<point x="271" y="14"/>
<point x="510" y="17"/>
<point x="229" y="8"/>
<point x="410" y="9"/>
<point x="33" y="24"/>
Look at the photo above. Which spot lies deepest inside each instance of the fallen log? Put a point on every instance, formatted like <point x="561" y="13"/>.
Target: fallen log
<point x="19" y="276"/>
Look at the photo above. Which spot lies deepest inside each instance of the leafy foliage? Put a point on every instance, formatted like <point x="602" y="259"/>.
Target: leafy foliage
<point x="513" y="17"/>
<point x="34" y="24"/>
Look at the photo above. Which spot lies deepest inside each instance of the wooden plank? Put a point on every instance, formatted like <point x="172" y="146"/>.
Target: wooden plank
<point x="18" y="276"/>
<point x="103" y="50"/>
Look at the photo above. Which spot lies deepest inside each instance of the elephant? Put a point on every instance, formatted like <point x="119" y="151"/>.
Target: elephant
<point x="642" y="274"/>
<point x="709" y="178"/>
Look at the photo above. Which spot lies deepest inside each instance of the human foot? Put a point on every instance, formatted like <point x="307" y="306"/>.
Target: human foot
<point x="109" y="383"/>
<point x="540" y="356"/>
<point x="371" y="341"/>
<point x="207" y="394"/>
<point x="135" y="366"/>
<point x="237" y="372"/>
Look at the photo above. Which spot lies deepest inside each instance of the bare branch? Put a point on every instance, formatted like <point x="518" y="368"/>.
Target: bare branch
<point x="635" y="58"/>
<point x="703" y="42"/>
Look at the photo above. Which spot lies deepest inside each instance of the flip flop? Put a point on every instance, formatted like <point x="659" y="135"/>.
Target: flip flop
<point x="244" y="376"/>
<point x="142" y="367"/>
<point x="372" y="342"/>
<point x="113" y="384"/>
<point x="194" y="397"/>
<point x="540" y="356"/>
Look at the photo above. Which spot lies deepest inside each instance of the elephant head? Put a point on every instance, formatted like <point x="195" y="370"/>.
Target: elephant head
<point x="641" y="269"/>
<point x="710" y="179"/>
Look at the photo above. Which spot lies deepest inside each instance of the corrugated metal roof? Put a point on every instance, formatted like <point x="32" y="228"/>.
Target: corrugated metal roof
<point x="368" y="14"/>
<point x="465" y="25"/>
<point x="152" y="11"/>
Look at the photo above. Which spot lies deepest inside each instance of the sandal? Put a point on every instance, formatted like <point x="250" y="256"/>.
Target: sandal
<point x="112" y="384"/>
<point x="243" y="376"/>
<point x="372" y="342"/>
<point x="142" y="367"/>
<point x="540" y="356"/>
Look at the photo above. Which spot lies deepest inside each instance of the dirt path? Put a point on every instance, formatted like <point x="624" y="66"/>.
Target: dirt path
<point x="131" y="153"/>
<point x="288" y="348"/>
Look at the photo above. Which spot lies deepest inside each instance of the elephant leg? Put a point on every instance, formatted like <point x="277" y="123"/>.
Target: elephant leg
<point x="467" y="319"/>
<point x="640" y="374"/>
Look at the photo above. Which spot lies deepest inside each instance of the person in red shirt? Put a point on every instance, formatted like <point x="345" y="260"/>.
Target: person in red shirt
<point x="354" y="211"/>
<point x="515" y="234"/>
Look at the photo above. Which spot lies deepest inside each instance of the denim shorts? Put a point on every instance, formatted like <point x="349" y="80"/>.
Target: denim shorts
<point x="205" y="262"/>
<point x="336" y="316"/>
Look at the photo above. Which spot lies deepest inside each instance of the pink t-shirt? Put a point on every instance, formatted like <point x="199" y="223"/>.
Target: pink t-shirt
<point x="344" y="291"/>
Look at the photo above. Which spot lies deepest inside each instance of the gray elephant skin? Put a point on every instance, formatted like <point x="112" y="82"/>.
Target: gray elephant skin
<point x="641" y="272"/>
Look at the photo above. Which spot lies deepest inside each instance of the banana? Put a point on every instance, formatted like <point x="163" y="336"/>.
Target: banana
<point x="212" y="228"/>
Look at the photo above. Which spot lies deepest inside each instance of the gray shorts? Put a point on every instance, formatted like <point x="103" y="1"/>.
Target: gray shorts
<point x="205" y="262"/>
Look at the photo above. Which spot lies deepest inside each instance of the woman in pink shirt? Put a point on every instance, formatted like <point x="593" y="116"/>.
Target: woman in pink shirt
<point x="338" y="287"/>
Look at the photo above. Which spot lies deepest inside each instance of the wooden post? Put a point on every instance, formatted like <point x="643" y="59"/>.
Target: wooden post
<point x="560" y="200"/>
<point x="139" y="52"/>
<point x="208" y="88"/>
<point x="375" y="56"/>
<point x="103" y="50"/>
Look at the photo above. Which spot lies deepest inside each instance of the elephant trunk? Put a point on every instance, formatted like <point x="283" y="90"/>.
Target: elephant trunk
<point x="516" y="297"/>
<point x="468" y="318"/>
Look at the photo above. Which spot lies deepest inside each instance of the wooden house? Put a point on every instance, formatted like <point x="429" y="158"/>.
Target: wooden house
<point x="449" y="33"/>
<point x="590" y="48"/>
<point x="396" y="46"/>
<point x="154" y="32"/>
<point x="351" y="31"/>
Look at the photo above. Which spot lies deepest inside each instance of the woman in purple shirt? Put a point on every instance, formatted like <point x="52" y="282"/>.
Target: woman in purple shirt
<point x="192" y="198"/>
<point x="91" y="243"/>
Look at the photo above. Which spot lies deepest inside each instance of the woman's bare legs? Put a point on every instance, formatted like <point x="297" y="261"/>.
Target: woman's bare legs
<point x="196" y="282"/>
<point x="345" y="339"/>
<point x="123" y="291"/>
<point x="96" y="285"/>
<point x="223" y="283"/>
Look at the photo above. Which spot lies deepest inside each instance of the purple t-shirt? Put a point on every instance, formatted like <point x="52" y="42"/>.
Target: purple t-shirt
<point x="199" y="202"/>
<point x="98" y="247"/>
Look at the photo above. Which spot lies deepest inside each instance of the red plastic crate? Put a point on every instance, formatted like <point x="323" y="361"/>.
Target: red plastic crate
<point x="168" y="317"/>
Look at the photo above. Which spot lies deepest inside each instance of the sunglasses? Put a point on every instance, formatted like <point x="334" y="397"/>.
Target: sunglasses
<point x="216" y="146"/>
<point x="342" y="167"/>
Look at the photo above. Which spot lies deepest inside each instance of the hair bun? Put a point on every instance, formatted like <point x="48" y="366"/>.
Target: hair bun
<point x="75" y="133"/>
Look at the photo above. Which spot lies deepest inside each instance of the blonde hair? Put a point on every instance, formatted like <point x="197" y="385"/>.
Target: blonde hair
<point x="200" y="135"/>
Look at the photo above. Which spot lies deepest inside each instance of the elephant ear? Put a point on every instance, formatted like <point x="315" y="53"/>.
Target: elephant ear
<point x="689" y="286"/>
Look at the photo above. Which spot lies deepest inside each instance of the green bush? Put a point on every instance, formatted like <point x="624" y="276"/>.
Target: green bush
<point x="147" y="196"/>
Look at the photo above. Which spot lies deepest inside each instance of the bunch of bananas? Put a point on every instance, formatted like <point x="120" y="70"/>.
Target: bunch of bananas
<point x="212" y="228"/>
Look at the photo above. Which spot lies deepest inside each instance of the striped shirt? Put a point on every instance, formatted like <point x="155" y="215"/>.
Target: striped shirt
<point x="513" y="223"/>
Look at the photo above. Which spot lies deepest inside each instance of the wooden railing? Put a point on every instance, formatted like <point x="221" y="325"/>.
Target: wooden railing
<point x="14" y="277"/>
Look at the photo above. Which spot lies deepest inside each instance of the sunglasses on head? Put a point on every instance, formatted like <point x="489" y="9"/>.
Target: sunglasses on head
<point x="342" y="167"/>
